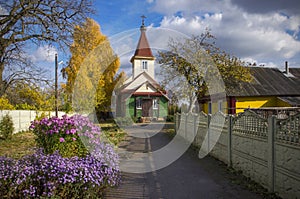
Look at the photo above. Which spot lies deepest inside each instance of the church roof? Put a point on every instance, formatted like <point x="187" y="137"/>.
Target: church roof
<point x="143" y="49"/>
<point x="131" y="88"/>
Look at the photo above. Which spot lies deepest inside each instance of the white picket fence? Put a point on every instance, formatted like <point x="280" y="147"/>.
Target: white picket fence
<point x="23" y="118"/>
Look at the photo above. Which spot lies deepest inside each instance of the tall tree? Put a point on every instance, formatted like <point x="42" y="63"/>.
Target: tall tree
<point x="38" y="21"/>
<point x="92" y="67"/>
<point x="25" y="96"/>
<point x="186" y="63"/>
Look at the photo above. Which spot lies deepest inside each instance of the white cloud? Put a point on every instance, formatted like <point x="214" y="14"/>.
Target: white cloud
<point x="189" y="7"/>
<point x="269" y="38"/>
<point x="44" y="53"/>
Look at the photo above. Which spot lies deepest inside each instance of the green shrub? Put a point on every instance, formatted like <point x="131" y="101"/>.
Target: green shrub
<point x="170" y="118"/>
<point x="25" y="106"/>
<point x="41" y="115"/>
<point x="5" y="104"/>
<point x="6" y="127"/>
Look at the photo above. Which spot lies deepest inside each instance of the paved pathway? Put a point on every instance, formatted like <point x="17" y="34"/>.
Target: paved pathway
<point x="187" y="177"/>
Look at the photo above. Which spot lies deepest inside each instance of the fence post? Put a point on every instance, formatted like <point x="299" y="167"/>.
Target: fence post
<point x="230" y="126"/>
<point x="195" y="126"/>
<point x="271" y="151"/>
<point x="185" y="127"/>
<point x="175" y="123"/>
<point x="208" y="131"/>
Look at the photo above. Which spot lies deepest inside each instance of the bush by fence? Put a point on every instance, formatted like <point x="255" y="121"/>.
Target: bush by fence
<point x="266" y="150"/>
<point x="6" y="127"/>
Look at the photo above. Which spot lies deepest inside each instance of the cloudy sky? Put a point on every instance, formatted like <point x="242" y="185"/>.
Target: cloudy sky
<point x="262" y="31"/>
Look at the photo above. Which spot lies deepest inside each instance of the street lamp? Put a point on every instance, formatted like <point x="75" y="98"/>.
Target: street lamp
<point x="56" y="85"/>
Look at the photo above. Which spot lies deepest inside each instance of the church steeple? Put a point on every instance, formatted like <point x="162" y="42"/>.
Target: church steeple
<point x="143" y="48"/>
<point x="143" y="59"/>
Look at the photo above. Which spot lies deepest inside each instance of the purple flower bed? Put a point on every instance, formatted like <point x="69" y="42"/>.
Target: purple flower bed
<point x="71" y="163"/>
<point x="45" y="175"/>
<point x="71" y="136"/>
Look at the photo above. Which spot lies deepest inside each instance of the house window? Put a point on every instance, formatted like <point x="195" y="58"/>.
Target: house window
<point x="144" y="65"/>
<point x="220" y="108"/>
<point x="155" y="104"/>
<point x="209" y="107"/>
<point x="138" y="103"/>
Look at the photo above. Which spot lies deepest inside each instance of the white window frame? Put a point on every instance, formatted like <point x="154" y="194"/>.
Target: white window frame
<point x="155" y="103"/>
<point x="138" y="103"/>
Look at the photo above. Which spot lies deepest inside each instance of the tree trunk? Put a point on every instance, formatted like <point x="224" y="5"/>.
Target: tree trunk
<point x="2" y="83"/>
<point x="192" y="102"/>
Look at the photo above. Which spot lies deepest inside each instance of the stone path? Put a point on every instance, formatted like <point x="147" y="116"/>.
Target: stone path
<point x="187" y="177"/>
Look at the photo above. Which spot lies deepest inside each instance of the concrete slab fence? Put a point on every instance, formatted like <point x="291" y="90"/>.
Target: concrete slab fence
<point x="265" y="149"/>
<point x="22" y="118"/>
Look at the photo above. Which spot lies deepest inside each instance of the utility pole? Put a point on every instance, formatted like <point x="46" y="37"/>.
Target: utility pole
<point x="56" y="90"/>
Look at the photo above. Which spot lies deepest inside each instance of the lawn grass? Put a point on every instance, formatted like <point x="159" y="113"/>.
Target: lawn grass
<point x="19" y="145"/>
<point x="23" y="143"/>
<point x="112" y="132"/>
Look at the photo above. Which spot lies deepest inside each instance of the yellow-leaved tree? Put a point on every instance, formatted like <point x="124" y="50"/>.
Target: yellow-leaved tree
<point x="92" y="70"/>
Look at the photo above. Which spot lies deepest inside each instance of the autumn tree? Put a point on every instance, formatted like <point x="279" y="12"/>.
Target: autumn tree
<point x="92" y="68"/>
<point x="29" y="97"/>
<point x="34" y="22"/>
<point x="186" y="64"/>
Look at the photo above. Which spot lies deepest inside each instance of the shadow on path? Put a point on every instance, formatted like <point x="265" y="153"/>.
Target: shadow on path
<point x="187" y="177"/>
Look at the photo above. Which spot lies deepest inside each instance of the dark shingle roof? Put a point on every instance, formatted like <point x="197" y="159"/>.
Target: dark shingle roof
<point x="269" y="82"/>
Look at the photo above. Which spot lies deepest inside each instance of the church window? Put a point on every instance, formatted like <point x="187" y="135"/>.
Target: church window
<point x="145" y="65"/>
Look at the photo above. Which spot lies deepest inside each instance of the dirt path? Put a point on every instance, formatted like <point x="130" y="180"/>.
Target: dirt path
<point x="187" y="177"/>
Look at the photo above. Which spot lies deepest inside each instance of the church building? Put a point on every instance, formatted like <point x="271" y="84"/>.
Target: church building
<point x="141" y="96"/>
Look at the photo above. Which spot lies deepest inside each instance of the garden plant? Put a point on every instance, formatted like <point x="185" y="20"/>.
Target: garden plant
<point x="70" y="162"/>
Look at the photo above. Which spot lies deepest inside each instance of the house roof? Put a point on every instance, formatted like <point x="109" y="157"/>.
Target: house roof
<point x="143" y="49"/>
<point x="269" y="82"/>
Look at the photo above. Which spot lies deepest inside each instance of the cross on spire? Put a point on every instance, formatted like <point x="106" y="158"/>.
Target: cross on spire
<point x="143" y="20"/>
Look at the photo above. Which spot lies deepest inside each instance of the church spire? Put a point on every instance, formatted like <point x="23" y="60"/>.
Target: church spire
<point x="143" y="20"/>
<point x="143" y="28"/>
<point x="143" y="59"/>
<point x="143" y="48"/>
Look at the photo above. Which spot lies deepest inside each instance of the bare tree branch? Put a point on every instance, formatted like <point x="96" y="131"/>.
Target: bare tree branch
<point x="37" y="21"/>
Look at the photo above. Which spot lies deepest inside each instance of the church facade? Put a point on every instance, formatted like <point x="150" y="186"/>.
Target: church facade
<point x="141" y="96"/>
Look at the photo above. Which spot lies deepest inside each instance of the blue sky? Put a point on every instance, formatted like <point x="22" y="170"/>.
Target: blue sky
<point x="263" y="31"/>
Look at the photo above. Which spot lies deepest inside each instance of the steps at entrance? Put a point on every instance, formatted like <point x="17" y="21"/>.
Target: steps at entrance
<point x="146" y="119"/>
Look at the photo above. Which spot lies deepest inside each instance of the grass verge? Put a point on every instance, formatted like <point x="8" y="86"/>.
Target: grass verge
<point x="19" y="145"/>
<point x="112" y="132"/>
<point x="23" y="143"/>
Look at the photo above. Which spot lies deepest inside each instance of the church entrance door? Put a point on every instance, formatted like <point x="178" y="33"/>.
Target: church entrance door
<point x="147" y="108"/>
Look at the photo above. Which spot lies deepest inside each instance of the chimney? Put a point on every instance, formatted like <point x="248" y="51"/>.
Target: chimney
<point x="287" y="68"/>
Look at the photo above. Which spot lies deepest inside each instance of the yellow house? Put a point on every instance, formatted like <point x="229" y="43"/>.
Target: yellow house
<point x="270" y="88"/>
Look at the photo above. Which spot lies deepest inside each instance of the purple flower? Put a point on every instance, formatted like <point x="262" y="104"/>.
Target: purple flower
<point x="74" y="139"/>
<point x="41" y="175"/>
<point x="61" y="140"/>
